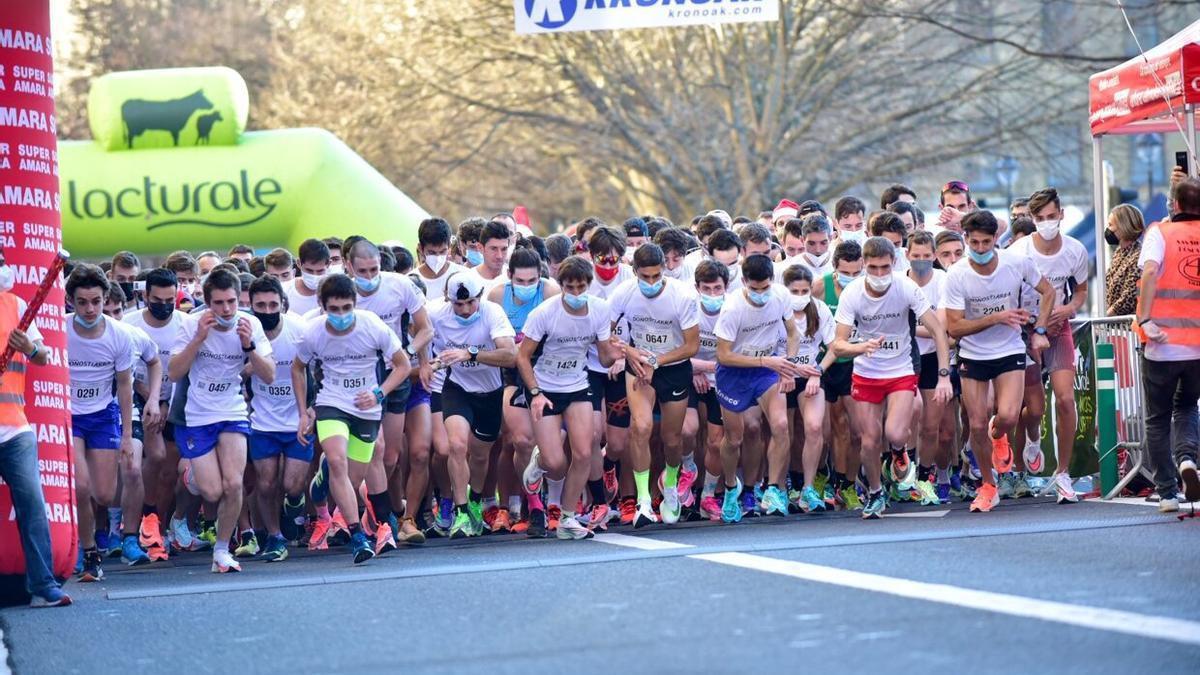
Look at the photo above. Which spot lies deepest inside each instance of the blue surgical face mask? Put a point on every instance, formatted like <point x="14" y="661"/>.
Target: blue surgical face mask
<point x="712" y="303"/>
<point x="467" y="320"/>
<point x="226" y="323"/>
<point x="576" y="301"/>
<point x="525" y="293"/>
<point x="368" y="285"/>
<point x="650" y="290"/>
<point x="759" y="298"/>
<point x="86" y="325"/>
<point x="921" y="268"/>
<point x="474" y="257"/>
<point x="981" y="258"/>
<point x="340" y="322"/>
<point x="845" y="279"/>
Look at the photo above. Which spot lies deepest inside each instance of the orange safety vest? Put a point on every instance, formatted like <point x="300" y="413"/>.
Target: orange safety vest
<point x="1177" y="295"/>
<point x="12" y="384"/>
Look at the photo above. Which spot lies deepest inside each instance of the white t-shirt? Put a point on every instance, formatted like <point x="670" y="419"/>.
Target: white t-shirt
<point x="753" y="330"/>
<point x="1154" y="249"/>
<point x="564" y="342"/>
<point x="892" y="317"/>
<point x="492" y="323"/>
<point x="297" y="303"/>
<point x="599" y="289"/>
<point x="8" y="433"/>
<point x="95" y="362"/>
<point x="436" y="287"/>
<point x="214" y="391"/>
<point x="396" y="295"/>
<point x="655" y="324"/>
<point x="708" y="338"/>
<point x="1069" y="265"/>
<point x="348" y="361"/>
<point x="165" y="337"/>
<point x="977" y="296"/>
<point x="810" y="345"/>
<point x="488" y="284"/>
<point x="782" y="266"/>
<point x="144" y="351"/>
<point x="933" y="293"/>
<point x="437" y="344"/>
<point x="272" y="404"/>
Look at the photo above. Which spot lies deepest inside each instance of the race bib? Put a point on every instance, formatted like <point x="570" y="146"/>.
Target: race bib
<point x="654" y="341"/>
<point x="90" y="392"/>
<point x="279" y="391"/>
<point x="218" y="386"/>
<point x="364" y="379"/>
<point x="552" y="365"/>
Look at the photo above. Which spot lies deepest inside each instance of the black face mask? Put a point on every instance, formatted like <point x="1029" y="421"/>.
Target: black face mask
<point x="1111" y="238"/>
<point x="268" y="321"/>
<point x="161" y="310"/>
<point x="127" y="289"/>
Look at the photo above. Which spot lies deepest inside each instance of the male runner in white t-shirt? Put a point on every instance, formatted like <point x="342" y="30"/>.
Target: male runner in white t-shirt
<point x="313" y="257"/>
<point x="433" y="249"/>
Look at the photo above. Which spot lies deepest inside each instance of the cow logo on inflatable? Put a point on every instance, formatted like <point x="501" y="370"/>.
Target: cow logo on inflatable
<point x="141" y="115"/>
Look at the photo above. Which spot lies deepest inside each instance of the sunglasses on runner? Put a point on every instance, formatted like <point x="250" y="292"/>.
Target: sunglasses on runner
<point x="606" y="259"/>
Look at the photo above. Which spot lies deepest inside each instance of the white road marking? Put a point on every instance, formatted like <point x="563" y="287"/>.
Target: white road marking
<point x="640" y="543"/>
<point x="1111" y="620"/>
<point x="1141" y="501"/>
<point x="918" y="514"/>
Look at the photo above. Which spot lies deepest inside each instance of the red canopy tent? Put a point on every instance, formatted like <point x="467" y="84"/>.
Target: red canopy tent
<point x="1132" y="98"/>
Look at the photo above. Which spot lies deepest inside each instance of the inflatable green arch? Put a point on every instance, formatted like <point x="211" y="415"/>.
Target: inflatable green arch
<point x="172" y="167"/>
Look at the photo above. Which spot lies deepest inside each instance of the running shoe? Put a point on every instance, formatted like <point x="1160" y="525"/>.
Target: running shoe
<point x="828" y="495"/>
<point x="774" y="502"/>
<point x="489" y="518"/>
<point x="875" y="506"/>
<point x="208" y="533"/>
<point x="360" y="547"/>
<point x="687" y="480"/>
<point x="553" y="515"/>
<point x="1190" y="479"/>
<point x="611" y="484"/>
<point x="444" y="517"/>
<point x="277" y="549"/>
<point x="1035" y="459"/>
<point x="92" y="568"/>
<point x="149" y="534"/>
<point x="1021" y="486"/>
<point x="114" y="543"/>
<point x="904" y="470"/>
<point x="1006" y="485"/>
<point x="1064" y="489"/>
<point x="1169" y="505"/>
<point x="968" y="456"/>
<point x="645" y="515"/>
<point x="502" y="522"/>
<point x="319" y="539"/>
<point x="475" y="512"/>
<point x="384" y="541"/>
<point x="158" y="553"/>
<point x="847" y="499"/>
<point x="600" y="516"/>
<point x="710" y="508"/>
<point x="532" y="476"/>
<point x="810" y="501"/>
<point x="247" y="545"/>
<point x="224" y="562"/>
<point x="571" y="528"/>
<point x="731" y="509"/>
<point x="339" y="531"/>
<point x="750" y="502"/>
<point x="537" y="524"/>
<point x="958" y="488"/>
<point x="669" y="509"/>
<point x="986" y="499"/>
<point x="820" y="482"/>
<point x="1002" y="455"/>
<point x="520" y="527"/>
<point x="928" y="495"/>
<point x="409" y="533"/>
<point x="51" y="597"/>
<point x="943" y="492"/>
<point x="628" y="510"/>
<point x="795" y="496"/>
<point x="181" y="537"/>
<point x="462" y="526"/>
<point x="131" y="553"/>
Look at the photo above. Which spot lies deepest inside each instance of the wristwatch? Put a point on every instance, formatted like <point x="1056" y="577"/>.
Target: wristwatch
<point x="378" y="395"/>
<point x="248" y="349"/>
<point x="943" y="372"/>
<point x="1040" y="330"/>
<point x="411" y="352"/>
<point x="474" y="352"/>
<point x="652" y="361"/>
<point x="820" y="369"/>
<point x="536" y="391"/>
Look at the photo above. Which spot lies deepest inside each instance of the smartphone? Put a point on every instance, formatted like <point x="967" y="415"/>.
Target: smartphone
<point x="1181" y="161"/>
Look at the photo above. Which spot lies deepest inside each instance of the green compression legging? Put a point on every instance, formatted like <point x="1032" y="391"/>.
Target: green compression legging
<point x="356" y="450"/>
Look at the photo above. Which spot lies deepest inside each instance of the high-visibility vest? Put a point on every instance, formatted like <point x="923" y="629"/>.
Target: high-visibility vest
<point x="1176" y="307"/>
<point x="12" y="384"/>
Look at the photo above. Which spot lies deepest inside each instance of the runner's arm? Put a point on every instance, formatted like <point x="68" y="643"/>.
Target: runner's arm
<point x="503" y="356"/>
<point x="125" y="401"/>
<point x="525" y="352"/>
<point x="930" y="321"/>
<point x="691" y="345"/>
<point x="300" y="383"/>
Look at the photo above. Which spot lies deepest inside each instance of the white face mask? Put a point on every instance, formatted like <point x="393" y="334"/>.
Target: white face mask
<point x="336" y="269"/>
<point x="1048" y="229"/>
<point x="856" y="236"/>
<point x="311" y="281"/>
<point x="879" y="284"/>
<point x="6" y="278"/>
<point x="435" y="262"/>
<point x="676" y="273"/>
<point x="800" y="302"/>
<point x="819" y="261"/>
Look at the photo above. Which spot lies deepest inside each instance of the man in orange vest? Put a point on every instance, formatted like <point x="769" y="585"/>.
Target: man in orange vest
<point x="1168" y="318"/>
<point x="18" y="448"/>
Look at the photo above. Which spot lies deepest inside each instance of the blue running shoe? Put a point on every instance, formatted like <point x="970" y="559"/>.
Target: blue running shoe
<point x="875" y="506"/>
<point x="361" y="547"/>
<point x="811" y="501"/>
<point x="731" y="509"/>
<point x="750" y="503"/>
<point x="943" y="492"/>
<point x="131" y="553"/>
<point x="969" y="455"/>
<point x="775" y="502"/>
<point x="319" y="487"/>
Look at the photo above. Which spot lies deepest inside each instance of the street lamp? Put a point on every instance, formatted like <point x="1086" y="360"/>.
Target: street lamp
<point x="1148" y="148"/>
<point x="1007" y="170"/>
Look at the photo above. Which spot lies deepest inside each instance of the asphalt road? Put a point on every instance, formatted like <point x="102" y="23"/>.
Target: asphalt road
<point x="1032" y="587"/>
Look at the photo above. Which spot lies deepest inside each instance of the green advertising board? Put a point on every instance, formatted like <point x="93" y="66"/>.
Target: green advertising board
<point x="169" y="182"/>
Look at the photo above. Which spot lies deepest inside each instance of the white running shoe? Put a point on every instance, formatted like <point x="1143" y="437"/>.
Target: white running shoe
<point x="571" y="528"/>
<point x="1191" y="480"/>
<point x="1064" y="489"/>
<point x="223" y="562"/>
<point x="1035" y="459"/>
<point x="532" y="476"/>
<point x="669" y="508"/>
<point x="645" y="515"/>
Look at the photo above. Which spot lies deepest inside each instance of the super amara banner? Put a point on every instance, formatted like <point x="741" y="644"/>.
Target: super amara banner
<point x="556" y="16"/>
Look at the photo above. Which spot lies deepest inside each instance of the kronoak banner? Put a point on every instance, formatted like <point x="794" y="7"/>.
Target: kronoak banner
<point x="31" y="234"/>
<point x="559" y="16"/>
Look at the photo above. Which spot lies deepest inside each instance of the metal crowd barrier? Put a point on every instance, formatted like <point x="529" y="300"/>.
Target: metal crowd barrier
<point x="1129" y="395"/>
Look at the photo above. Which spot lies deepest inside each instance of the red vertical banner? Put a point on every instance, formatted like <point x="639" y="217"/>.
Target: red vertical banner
<point x="31" y="234"/>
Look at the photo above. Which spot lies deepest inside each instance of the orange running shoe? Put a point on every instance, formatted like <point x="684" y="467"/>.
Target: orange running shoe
<point x="553" y="515"/>
<point x="520" y="527"/>
<point x="628" y="510"/>
<point x="384" y="541"/>
<point x="157" y="553"/>
<point x="1002" y="457"/>
<point x="502" y="522"/>
<point x="319" y="539"/>
<point x="489" y="517"/>
<point x="150" y="533"/>
<point x="986" y="498"/>
<point x="339" y="531"/>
